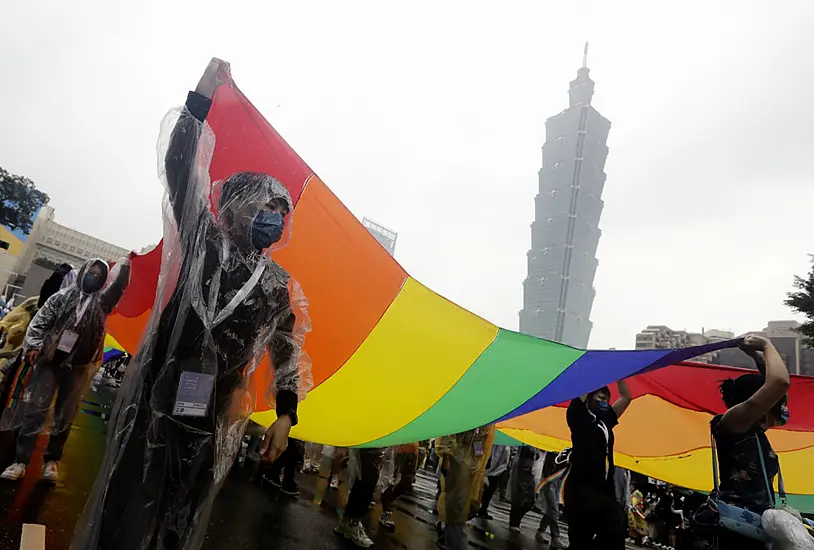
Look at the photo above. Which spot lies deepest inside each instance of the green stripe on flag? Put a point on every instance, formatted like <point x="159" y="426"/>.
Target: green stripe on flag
<point x="507" y="374"/>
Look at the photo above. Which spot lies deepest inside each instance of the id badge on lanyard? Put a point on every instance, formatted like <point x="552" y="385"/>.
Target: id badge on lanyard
<point x="69" y="337"/>
<point x="194" y="394"/>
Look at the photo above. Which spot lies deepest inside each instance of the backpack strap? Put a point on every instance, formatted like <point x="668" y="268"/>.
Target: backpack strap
<point x="780" y="485"/>
<point x="714" y="460"/>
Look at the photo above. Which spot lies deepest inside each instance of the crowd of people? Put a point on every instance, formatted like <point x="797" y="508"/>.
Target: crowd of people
<point x="603" y="506"/>
<point x="600" y="503"/>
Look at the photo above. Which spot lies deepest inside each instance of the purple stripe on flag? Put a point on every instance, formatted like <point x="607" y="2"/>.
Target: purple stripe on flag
<point x="601" y="368"/>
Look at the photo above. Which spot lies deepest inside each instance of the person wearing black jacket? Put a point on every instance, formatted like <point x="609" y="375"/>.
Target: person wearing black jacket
<point x="184" y="404"/>
<point x="63" y="341"/>
<point x="594" y="516"/>
<point x="53" y="283"/>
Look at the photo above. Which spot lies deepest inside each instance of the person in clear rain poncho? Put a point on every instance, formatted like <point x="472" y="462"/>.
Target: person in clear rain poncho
<point x="64" y="344"/>
<point x="220" y="306"/>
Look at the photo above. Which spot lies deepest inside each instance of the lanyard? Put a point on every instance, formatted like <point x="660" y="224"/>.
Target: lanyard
<point x="81" y="308"/>
<point x="211" y="319"/>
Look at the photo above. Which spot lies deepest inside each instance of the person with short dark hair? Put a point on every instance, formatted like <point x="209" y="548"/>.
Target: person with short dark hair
<point x="594" y="516"/>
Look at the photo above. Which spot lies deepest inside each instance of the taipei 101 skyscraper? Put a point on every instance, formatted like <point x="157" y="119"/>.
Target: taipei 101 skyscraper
<point x="558" y="292"/>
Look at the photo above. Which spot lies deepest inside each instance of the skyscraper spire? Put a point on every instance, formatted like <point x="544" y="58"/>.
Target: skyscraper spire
<point x="558" y="292"/>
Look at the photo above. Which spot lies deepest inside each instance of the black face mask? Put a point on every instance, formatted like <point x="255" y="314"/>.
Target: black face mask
<point x="91" y="283"/>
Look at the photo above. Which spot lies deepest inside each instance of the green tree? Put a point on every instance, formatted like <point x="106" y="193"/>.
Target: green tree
<point x="19" y="201"/>
<point x="802" y="301"/>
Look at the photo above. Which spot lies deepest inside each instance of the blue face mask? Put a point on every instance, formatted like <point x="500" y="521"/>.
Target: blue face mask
<point x="267" y="229"/>
<point x="603" y="406"/>
<point x="90" y="283"/>
<point x="784" y="415"/>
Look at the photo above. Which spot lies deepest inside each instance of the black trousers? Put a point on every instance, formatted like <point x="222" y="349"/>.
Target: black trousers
<point x="594" y="519"/>
<point x="288" y="461"/>
<point x="488" y="493"/>
<point x="161" y="490"/>
<point x="524" y="490"/>
<point x="370" y="462"/>
<point x="405" y="472"/>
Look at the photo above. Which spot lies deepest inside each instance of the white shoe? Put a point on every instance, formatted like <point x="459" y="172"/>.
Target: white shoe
<point x="50" y="472"/>
<point x="357" y="535"/>
<point x="14" y="472"/>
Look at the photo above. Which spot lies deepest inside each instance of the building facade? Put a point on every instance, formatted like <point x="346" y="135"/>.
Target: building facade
<point x="62" y="244"/>
<point x="789" y="343"/>
<point x="798" y="357"/>
<point x="558" y="292"/>
<point x="52" y="243"/>
<point x="663" y="337"/>
<point x="384" y="236"/>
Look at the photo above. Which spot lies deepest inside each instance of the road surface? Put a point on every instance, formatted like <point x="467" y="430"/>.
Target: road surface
<point x="247" y="515"/>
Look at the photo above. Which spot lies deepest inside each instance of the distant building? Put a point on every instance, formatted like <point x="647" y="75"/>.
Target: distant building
<point x="558" y="292"/>
<point x="50" y="243"/>
<point x="798" y="357"/>
<point x="62" y="244"/>
<point x="783" y="334"/>
<point x="21" y="250"/>
<point x="386" y="237"/>
<point x="663" y="337"/>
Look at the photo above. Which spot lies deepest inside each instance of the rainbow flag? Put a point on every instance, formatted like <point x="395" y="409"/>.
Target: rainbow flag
<point x="112" y="349"/>
<point x="394" y="362"/>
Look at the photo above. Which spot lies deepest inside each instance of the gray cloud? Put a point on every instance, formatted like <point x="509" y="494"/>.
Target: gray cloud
<point x="429" y="118"/>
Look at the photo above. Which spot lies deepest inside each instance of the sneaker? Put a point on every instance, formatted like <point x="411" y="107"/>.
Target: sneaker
<point x="557" y="544"/>
<point x="441" y="540"/>
<point x="356" y="533"/>
<point x="342" y="527"/>
<point x="274" y="480"/>
<point x="50" y="472"/>
<point x="290" y="488"/>
<point x="540" y="537"/>
<point x="485" y="515"/>
<point x="514" y="529"/>
<point x="14" y="472"/>
<point x="386" y="520"/>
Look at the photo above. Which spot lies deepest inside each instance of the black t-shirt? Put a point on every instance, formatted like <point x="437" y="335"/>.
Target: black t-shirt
<point x="743" y="482"/>
<point x="592" y="441"/>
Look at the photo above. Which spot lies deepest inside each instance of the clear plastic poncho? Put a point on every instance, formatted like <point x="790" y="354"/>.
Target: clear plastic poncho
<point x="68" y="334"/>
<point x="220" y="307"/>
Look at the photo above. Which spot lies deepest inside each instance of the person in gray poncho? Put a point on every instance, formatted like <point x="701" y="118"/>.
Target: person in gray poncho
<point x="64" y="341"/>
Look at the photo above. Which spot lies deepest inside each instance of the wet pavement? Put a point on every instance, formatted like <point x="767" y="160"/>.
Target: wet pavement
<point x="248" y="514"/>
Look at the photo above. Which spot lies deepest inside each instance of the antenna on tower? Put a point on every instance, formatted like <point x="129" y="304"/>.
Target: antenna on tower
<point x="585" y="56"/>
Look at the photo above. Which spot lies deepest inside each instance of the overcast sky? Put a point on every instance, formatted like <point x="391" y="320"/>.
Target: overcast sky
<point x="429" y="118"/>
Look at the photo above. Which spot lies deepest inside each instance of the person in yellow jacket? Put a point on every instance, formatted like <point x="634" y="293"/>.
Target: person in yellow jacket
<point x="12" y="334"/>
<point x="463" y="466"/>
